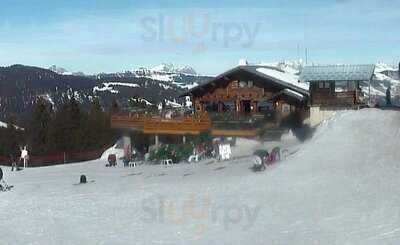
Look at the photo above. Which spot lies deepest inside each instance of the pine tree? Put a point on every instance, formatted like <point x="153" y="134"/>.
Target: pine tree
<point x="39" y="127"/>
<point x="114" y="107"/>
<point x="12" y="138"/>
<point x="97" y="128"/>
<point x="67" y="129"/>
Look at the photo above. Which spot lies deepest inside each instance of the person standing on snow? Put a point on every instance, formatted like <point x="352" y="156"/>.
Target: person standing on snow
<point x="24" y="156"/>
<point x="13" y="163"/>
<point x="2" y="183"/>
<point x="388" y="97"/>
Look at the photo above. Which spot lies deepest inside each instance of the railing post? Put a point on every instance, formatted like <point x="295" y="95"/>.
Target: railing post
<point x="156" y="141"/>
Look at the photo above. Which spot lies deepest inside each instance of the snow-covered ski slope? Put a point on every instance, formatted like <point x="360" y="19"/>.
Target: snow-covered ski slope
<point x="340" y="187"/>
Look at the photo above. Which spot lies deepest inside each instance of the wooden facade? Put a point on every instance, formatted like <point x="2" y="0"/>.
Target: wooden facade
<point x="239" y="102"/>
<point x="327" y="94"/>
<point x="337" y="86"/>
<point x="244" y="92"/>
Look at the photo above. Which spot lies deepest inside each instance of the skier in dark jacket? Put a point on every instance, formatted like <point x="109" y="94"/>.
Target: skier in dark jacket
<point x="13" y="163"/>
<point x="388" y="97"/>
<point x="2" y="183"/>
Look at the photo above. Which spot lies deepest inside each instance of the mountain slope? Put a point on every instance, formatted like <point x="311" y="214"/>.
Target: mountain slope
<point x="330" y="191"/>
<point x="21" y="85"/>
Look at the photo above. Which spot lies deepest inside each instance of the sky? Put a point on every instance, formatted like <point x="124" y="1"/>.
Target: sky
<point x="95" y="36"/>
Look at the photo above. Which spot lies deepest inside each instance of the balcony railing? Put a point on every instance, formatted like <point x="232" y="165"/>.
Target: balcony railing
<point x="335" y="99"/>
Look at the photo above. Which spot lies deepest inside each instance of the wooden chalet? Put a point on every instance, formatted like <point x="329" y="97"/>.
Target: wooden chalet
<point x="238" y="102"/>
<point x="250" y="97"/>
<point x="249" y="89"/>
<point x="336" y="87"/>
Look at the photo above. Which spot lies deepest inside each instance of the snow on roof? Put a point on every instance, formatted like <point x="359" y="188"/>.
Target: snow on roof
<point x="337" y="73"/>
<point x="288" y="66"/>
<point x="272" y="74"/>
<point x="293" y="93"/>
<point x="283" y="76"/>
<point x="3" y="124"/>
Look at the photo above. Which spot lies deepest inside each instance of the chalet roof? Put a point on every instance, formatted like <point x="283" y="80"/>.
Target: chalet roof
<point x="288" y="93"/>
<point x="265" y="73"/>
<point x="337" y="73"/>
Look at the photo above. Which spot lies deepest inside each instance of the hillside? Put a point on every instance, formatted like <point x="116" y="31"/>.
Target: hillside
<point x="340" y="187"/>
<point x="21" y="85"/>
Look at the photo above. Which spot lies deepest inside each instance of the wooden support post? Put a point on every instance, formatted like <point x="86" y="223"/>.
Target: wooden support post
<point x="156" y="141"/>
<point x="184" y="139"/>
<point x="369" y="93"/>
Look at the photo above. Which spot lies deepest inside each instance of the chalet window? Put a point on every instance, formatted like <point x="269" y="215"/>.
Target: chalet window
<point x="285" y="108"/>
<point x="242" y="84"/>
<point x="235" y="84"/>
<point x="265" y="106"/>
<point x="211" y="106"/>
<point x="341" y="86"/>
<point x="324" y="85"/>
<point x="345" y="86"/>
<point x="229" y="106"/>
<point x="250" y="84"/>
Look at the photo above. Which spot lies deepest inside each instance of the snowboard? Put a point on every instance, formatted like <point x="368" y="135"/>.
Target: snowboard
<point x="92" y="181"/>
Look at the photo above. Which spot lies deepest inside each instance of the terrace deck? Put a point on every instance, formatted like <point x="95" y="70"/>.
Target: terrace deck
<point x="179" y="126"/>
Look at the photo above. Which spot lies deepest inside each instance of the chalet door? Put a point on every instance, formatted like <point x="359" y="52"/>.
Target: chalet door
<point x="246" y="105"/>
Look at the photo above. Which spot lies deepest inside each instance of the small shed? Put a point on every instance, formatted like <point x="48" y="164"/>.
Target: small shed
<point x="336" y="87"/>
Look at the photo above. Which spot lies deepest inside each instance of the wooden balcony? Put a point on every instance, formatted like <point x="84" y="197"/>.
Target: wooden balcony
<point x="334" y="99"/>
<point x="127" y="122"/>
<point x="186" y="125"/>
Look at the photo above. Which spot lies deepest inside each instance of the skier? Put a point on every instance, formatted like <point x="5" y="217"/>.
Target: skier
<point x="3" y="185"/>
<point x="388" y="97"/>
<point x="258" y="163"/>
<point x="14" y="164"/>
<point x="24" y="156"/>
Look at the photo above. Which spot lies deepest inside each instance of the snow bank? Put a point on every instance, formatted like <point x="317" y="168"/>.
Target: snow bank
<point x="340" y="187"/>
<point x="116" y="149"/>
<point x="245" y="147"/>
